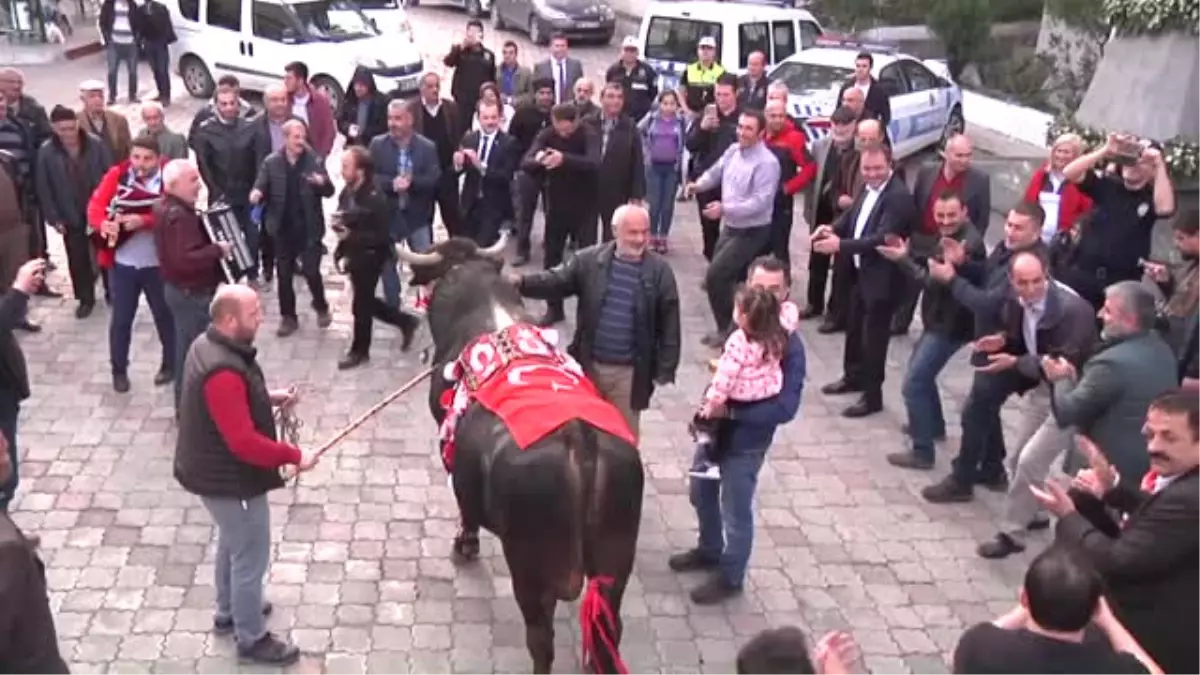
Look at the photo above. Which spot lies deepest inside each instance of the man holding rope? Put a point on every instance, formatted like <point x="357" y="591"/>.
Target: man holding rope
<point x="228" y="455"/>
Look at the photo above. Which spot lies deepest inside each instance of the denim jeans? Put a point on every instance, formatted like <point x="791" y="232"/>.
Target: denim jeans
<point x="725" y="510"/>
<point x="116" y="55"/>
<point x="10" y="410"/>
<point x="419" y="240"/>
<point x="243" y="553"/>
<point x="921" y="400"/>
<point x="661" y="183"/>
<point x="128" y="285"/>
<point x="189" y="309"/>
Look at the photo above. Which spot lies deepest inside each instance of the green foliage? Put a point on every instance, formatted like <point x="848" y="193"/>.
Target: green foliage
<point x="1140" y="17"/>
<point x="852" y="15"/>
<point x="964" y="28"/>
<point x="1181" y="155"/>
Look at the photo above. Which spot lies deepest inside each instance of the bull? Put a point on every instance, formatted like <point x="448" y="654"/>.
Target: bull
<point x="566" y="509"/>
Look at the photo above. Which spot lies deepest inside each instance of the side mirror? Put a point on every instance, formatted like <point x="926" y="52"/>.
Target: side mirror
<point x="288" y="36"/>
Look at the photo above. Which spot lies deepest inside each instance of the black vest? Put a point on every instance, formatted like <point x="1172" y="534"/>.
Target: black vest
<point x="204" y="464"/>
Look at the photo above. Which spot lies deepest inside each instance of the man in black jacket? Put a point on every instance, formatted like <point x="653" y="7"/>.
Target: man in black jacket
<point x="527" y="122"/>
<point x="209" y="110"/>
<point x="637" y="79"/>
<point x="948" y="326"/>
<point x="157" y="35"/>
<point x="487" y="158"/>
<point x="225" y="156"/>
<point x="566" y="156"/>
<point x="622" y="175"/>
<point x="120" y="31"/>
<point x="877" y="102"/>
<point x="14" y="377"/>
<point x="28" y="111"/>
<point x="709" y="137"/>
<point x="473" y="65"/>
<point x="625" y="347"/>
<point x="364" y="109"/>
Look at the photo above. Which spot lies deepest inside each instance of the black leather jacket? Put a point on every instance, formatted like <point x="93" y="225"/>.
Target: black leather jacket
<point x="225" y="155"/>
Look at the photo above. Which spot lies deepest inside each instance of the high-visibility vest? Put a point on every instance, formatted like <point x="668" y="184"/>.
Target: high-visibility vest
<point x="700" y="84"/>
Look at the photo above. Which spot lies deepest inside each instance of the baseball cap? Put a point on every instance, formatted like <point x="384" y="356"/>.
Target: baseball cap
<point x="630" y="42"/>
<point x="708" y="41"/>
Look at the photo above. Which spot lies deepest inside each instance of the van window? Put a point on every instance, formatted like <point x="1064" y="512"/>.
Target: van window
<point x="675" y="38"/>
<point x="752" y="37"/>
<point x="270" y="20"/>
<point x="225" y="14"/>
<point x="190" y="9"/>
<point x="783" y="40"/>
<point x="809" y="32"/>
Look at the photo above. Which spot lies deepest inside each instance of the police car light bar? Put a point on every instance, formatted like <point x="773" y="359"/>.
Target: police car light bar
<point x="873" y="47"/>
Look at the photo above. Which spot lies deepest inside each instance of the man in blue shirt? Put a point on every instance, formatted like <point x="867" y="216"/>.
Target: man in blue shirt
<point x="725" y="508"/>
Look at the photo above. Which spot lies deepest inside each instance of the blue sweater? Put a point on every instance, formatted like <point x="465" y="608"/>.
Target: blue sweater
<point x="755" y="423"/>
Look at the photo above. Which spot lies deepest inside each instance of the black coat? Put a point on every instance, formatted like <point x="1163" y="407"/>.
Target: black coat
<point x="272" y="181"/>
<point x="527" y="121"/>
<point x="1066" y="329"/>
<point x="879" y="279"/>
<point x="58" y="198"/>
<point x="28" y="639"/>
<point x="376" y="111"/>
<point x="707" y="146"/>
<point x="14" y="376"/>
<point x="622" y="168"/>
<point x="156" y="23"/>
<point x="941" y="313"/>
<point x="585" y="275"/>
<point x="490" y="189"/>
<point x="572" y="186"/>
<point x="225" y="155"/>
<point x="472" y="67"/>
<point x="878" y="103"/>
<point x="365" y="213"/>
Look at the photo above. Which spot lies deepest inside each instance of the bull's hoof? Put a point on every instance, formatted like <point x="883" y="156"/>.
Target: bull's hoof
<point x="466" y="547"/>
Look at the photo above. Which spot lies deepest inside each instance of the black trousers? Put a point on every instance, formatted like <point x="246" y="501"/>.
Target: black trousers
<point x="447" y="203"/>
<point x="710" y="229"/>
<point x="779" y="243"/>
<point x="607" y="208"/>
<point x="483" y="220"/>
<point x="365" y="267"/>
<point x="982" y="450"/>
<point x="906" y="307"/>
<point x="864" y="359"/>
<point x="528" y="189"/>
<point x="735" y="250"/>
<point x="39" y="245"/>
<point x="310" y="263"/>
<point x="574" y="221"/>
<point x="79" y="264"/>
<point x="266" y="247"/>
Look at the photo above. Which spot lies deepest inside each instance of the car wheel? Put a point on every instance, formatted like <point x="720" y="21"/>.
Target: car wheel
<point x="330" y="88"/>
<point x="497" y="20"/>
<point x="955" y="124"/>
<point x="536" y="34"/>
<point x="196" y="77"/>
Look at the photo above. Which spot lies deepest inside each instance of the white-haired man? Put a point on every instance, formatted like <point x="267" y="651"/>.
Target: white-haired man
<point x="171" y="145"/>
<point x="627" y="313"/>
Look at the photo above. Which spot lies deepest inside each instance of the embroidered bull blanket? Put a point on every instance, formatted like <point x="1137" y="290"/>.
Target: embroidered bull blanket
<point x="520" y="376"/>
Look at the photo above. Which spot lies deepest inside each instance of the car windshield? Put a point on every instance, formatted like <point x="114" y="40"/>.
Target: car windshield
<point x="334" y="21"/>
<point x="807" y="77"/>
<point x="675" y="39"/>
<point x="378" y="4"/>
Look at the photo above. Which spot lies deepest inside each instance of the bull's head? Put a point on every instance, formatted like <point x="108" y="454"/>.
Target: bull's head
<point x="446" y="255"/>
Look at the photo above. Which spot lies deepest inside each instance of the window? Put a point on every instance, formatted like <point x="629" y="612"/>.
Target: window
<point x="190" y="9"/>
<point x="377" y="4"/>
<point x="919" y="77"/>
<point x="802" y="78"/>
<point x="333" y="20"/>
<point x="783" y="40"/>
<point x="809" y="32"/>
<point x="752" y="37"/>
<point x="271" y="20"/>
<point x="225" y="14"/>
<point x="892" y="80"/>
<point x="675" y="39"/>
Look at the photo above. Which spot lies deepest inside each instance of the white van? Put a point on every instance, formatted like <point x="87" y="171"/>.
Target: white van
<point x="255" y="39"/>
<point x="389" y="15"/>
<point x="671" y="30"/>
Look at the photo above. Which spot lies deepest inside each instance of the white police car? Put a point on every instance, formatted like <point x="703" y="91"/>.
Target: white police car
<point x="926" y="105"/>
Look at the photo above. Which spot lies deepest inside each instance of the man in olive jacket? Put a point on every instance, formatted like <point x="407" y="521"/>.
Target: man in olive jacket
<point x="627" y="316"/>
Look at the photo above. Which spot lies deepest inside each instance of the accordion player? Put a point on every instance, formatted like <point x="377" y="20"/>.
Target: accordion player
<point x="221" y="224"/>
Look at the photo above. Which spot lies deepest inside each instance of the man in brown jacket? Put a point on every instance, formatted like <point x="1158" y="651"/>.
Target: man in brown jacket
<point x="14" y="232"/>
<point x="109" y="125"/>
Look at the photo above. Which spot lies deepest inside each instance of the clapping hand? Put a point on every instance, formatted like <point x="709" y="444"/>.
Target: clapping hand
<point x="894" y="248"/>
<point x="941" y="272"/>
<point x="1057" y="368"/>
<point x="1100" y="477"/>
<point x="1053" y="497"/>
<point x="953" y="252"/>
<point x="552" y="159"/>
<point x="285" y="398"/>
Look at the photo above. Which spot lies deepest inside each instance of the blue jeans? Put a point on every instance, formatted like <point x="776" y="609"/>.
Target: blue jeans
<point x="243" y="554"/>
<point x="116" y="55"/>
<point x="725" y="509"/>
<point x="419" y="240"/>
<point x="10" y="410"/>
<point x="925" y="421"/>
<point x="128" y="284"/>
<point x="189" y="310"/>
<point x="661" y="182"/>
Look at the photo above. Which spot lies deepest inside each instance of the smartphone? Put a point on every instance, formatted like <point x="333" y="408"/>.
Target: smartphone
<point x="710" y="110"/>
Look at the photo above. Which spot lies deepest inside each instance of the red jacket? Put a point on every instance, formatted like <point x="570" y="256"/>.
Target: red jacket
<point x="1072" y="202"/>
<point x="322" y="129"/>
<point x="795" y="142"/>
<point x="98" y="207"/>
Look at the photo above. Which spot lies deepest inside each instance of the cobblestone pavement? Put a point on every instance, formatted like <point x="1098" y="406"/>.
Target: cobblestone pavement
<point x="362" y="578"/>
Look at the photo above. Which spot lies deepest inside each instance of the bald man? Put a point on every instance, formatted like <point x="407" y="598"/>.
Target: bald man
<point x="227" y="453"/>
<point x="626" y="347"/>
<point x="752" y="87"/>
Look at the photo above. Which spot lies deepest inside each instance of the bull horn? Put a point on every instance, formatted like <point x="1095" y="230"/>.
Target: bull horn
<point x="496" y="249"/>
<point x="412" y="258"/>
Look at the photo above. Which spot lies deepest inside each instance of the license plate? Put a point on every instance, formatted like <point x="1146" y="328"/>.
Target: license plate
<point x="588" y="24"/>
<point x="408" y="82"/>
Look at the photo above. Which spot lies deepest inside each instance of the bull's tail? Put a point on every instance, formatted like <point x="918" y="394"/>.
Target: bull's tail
<point x="582" y="457"/>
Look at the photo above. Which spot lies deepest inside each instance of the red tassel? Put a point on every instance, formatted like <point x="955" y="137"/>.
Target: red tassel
<point x="596" y="613"/>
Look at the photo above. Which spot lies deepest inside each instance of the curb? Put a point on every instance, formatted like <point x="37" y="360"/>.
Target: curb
<point x="86" y="49"/>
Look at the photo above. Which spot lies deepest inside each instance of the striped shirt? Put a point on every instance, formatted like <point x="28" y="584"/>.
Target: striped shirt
<point x="122" y="32"/>
<point x="14" y="139"/>
<point x="615" y="331"/>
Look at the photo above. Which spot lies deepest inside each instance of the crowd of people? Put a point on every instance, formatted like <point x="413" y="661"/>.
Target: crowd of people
<point x="1069" y="311"/>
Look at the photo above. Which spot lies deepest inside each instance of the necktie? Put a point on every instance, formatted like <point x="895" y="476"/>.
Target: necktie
<point x="562" y="81"/>
<point x="485" y="151"/>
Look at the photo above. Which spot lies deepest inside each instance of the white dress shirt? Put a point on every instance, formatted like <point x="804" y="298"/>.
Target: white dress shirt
<point x="870" y="199"/>
<point x="1049" y="201"/>
<point x="300" y="107"/>
<point x="1029" y="323"/>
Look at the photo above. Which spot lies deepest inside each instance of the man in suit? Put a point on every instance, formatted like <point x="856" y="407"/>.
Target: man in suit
<point x="883" y="209"/>
<point x="408" y="173"/>
<point x="441" y="121"/>
<point x="488" y="158"/>
<point x="561" y="68"/>
<point x="877" y="102"/>
<point x="837" y="182"/>
<point x="108" y="125"/>
<point x="515" y="80"/>
<point x="1149" y="562"/>
<point x="622" y="175"/>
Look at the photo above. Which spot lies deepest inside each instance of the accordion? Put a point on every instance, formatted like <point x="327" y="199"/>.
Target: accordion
<point x="222" y="225"/>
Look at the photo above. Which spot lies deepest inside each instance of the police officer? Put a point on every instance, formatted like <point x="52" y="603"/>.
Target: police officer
<point x="636" y="77"/>
<point x="473" y="65"/>
<point x="700" y="77"/>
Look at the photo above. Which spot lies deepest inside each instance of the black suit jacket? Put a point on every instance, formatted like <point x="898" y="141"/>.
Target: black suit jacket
<point x="493" y="185"/>
<point x="976" y="194"/>
<point x="622" y="168"/>
<point x="879" y="279"/>
<point x="1151" y="565"/>
<point x="878" y="103"/>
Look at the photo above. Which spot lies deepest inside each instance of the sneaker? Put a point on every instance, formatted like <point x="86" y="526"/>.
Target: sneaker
<point x="224" y="624"/>
<point x="692" y="561"/>
<point x="270" y="650"/>
<point x="706" y="471"/>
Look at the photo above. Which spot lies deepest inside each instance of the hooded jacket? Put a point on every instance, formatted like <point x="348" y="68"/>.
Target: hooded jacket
<point x="368" y="114"/>
<point x="225" y="157"/>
